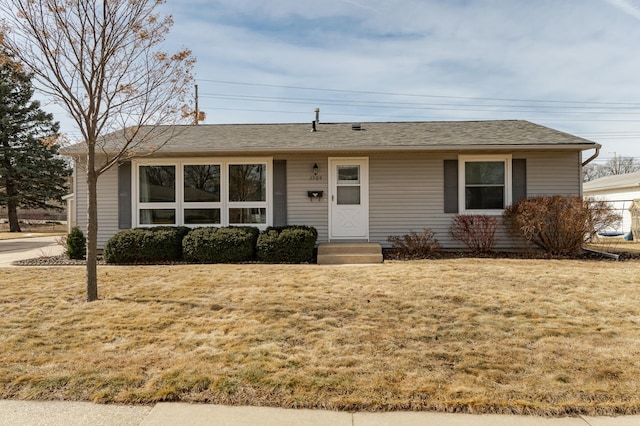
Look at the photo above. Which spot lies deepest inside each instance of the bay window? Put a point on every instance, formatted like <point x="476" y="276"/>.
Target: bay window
<point x="203" y="192"/>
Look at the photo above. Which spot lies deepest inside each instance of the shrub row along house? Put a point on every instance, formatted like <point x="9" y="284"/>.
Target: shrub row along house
<point x="352" y="182"/>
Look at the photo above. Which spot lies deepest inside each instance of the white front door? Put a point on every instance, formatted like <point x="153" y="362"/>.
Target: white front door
<point x="349" y="198"/>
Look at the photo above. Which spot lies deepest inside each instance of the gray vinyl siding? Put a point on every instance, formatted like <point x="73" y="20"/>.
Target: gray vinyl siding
<point x="405" y="192"/>
<point x="301" y="209"/>
<point x="555" y="173"/>
<point x="107" y="203"/>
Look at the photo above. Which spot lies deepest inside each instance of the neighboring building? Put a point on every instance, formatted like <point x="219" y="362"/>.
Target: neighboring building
<point x="353" y="182"/>
<point x="619" y="191"/>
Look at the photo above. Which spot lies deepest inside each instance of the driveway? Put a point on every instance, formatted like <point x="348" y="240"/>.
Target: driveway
<point x="28" y="248"/>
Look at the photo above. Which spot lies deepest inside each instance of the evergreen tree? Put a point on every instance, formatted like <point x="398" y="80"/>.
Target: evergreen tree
<point x="32" y="174"/>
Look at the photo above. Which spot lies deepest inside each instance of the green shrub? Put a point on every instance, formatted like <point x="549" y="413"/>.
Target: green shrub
<point x="220" y="245"/>
<point x="415" y="245"/>
<point x="76" y="244"/>
<point x="287" y="244"/>
<point x="146" y="245"/>
<point x="124" y="246"/>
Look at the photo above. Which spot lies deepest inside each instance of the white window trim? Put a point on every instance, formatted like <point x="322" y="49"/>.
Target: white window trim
<point x="135" y="182"/>
<point x="204" y="204"/>
<point x="179" y="205"/>
<point x="462" y="159"/>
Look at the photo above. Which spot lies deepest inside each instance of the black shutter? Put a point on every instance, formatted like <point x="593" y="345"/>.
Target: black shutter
<point x="124" y="195"/>
<point x="279" y="192"/>
<point x="451" y="186"/>
<point x="519" y="179"/>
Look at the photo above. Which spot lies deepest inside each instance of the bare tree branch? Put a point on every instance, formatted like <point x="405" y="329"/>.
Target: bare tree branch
<point x="615" y="166"/>
<point x="102" y="62"/>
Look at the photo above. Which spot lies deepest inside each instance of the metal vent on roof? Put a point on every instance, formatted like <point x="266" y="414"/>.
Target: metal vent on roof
<point x="356" y="126"/>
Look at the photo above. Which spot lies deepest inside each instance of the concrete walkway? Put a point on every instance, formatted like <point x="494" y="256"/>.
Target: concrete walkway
<point x="54" y="413"/>
<point x="28" y="248"/>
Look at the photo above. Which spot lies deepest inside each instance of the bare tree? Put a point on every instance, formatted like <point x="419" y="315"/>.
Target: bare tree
<point x="615" y="166"/>
<point x="622" y="165"/>
<point x="101" y="60"/>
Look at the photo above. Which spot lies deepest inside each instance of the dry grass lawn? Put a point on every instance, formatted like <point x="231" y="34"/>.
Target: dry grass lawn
<point x="33" y="230"/>
<point x="541" y="337"/>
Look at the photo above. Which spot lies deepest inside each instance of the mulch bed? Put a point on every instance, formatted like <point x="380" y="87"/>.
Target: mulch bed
<point x="389" y="254"/>
<point x="61" y="260"/>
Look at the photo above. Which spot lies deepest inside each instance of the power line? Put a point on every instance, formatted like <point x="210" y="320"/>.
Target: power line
<point x="408" y="105"/>
<point x="634" y="104"/>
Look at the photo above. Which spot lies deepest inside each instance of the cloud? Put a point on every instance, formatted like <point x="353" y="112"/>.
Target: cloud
<point x="627" y="6"/>
<point x="543" y="50"/>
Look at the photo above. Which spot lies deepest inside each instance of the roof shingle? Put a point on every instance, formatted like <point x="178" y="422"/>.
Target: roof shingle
<point x="374" y="136"/>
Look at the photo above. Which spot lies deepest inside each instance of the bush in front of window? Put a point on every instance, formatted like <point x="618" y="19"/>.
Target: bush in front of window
<point x="146" y="245"/>
<point x="76" y="244"/>
<point x="415" y="245"/>
<point x="220" y="245"/>
<point x="476" y="231"/>
<point x="559" y="224"/>
<point x="287" y="244"/>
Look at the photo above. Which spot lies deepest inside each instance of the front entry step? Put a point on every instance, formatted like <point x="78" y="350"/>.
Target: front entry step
<point x="349" y="253"/>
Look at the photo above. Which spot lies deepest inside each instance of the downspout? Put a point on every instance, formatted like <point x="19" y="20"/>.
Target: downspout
<point x="602" y="253"/>
<point x="593" y="157"/>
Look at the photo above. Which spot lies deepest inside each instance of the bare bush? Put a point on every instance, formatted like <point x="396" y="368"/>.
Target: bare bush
<point x="415" y="245"/>
<point x="477" y="232"/>
<point x="559" y="224"/>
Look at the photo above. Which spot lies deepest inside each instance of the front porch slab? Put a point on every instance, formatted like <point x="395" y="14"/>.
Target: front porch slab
<point x="349" y="253"/>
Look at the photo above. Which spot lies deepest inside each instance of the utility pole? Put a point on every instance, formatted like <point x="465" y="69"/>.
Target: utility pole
<point x="197" y="113"/>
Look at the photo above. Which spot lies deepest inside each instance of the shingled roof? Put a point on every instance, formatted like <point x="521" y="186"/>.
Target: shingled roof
<point x="624" y="181"/>
<point x="342" y="137"/>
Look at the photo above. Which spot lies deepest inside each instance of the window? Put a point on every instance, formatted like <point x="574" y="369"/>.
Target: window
<point x="485" y="183"/>
<point x="348" y="185"/>
<point x="157" y="195"/>
<point x="247" y="194"/>
<point x="203" y="192"/>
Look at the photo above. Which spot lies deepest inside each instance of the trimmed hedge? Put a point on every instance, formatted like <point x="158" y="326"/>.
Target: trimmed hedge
<point x="287" y="244"/>
<point x="146" y="245"/>
<point x="220" y="245"/>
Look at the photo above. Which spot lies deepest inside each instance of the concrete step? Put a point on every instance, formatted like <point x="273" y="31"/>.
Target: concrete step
<point x="349" y="253"/>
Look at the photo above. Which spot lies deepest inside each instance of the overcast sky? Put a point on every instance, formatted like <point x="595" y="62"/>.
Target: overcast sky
<point x="573" y="65"/>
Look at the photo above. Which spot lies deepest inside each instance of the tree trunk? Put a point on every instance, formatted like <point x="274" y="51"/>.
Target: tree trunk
<point x="92" y="228"/>
<point x="12" y="207"/>
<point x="12" y="204"/>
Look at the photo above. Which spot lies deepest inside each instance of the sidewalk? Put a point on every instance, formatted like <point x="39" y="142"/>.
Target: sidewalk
<point x="60" y="413"/>
<point x="28" y="248"/>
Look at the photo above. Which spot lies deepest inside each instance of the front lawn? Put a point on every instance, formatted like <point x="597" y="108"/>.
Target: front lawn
<point x="31" y="230"/>
<point x="476" y="335"/>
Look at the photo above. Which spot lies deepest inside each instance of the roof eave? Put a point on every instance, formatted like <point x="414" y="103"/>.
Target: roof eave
<point x="391" y="148"/>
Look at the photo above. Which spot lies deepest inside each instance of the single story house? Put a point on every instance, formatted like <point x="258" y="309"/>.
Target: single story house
<point x="352" y="182"/>
<point x="620" y="191"/>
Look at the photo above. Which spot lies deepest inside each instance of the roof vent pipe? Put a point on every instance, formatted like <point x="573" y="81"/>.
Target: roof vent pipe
<point x="317" y="111"/>
<point x="313" y="127"/>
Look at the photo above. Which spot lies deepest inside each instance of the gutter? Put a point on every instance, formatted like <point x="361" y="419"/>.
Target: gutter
<point x="367" y="149"/>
